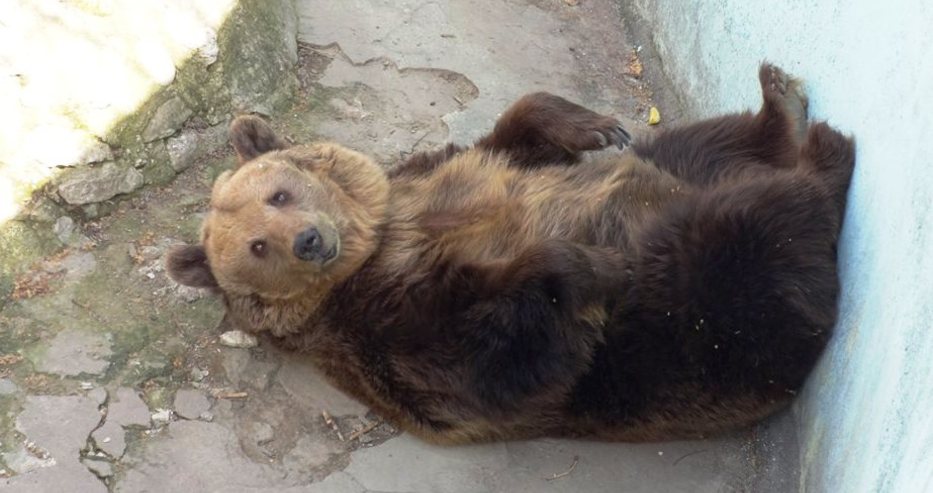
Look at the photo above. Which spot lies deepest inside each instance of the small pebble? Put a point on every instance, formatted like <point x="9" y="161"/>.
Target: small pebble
<point x="198" y="374"/>
<point x="239" y="339"/>
<point x="162" y="416"/>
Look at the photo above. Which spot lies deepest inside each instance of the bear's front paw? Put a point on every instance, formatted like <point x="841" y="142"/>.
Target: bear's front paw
<point x="567" y="125"/>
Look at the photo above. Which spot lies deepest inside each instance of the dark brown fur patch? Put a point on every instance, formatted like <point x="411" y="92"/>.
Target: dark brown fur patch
<point x="188" y="265"/>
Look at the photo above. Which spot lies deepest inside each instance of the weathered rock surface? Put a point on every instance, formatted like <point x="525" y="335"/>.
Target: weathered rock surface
<point x="124" y="408"/>
<point x="7" y="387"/>
<point x="253" y="69"/>
<point x="77" y="265"/>
<point x="338" y="482"/>
<point x="127" y="408"/>
<point x="99" y="395"/>
<point x="176" y="461"/>
<point x="87" y="185"/>
<point x="306" y="384"/>
<point x="110" y="439"/>
<point x="100" y="467"/>
<point x="168" y="118"/>
<point x="72" y="477"/>
<point x="438" y="470"/>
<point x="63" y="228"/>
<point x="243" y="369"/>
<point x="190" y="404"/>
<point x="73" y="352"/>
<point x="57" y="426"/>
<point x="191" y="145"/>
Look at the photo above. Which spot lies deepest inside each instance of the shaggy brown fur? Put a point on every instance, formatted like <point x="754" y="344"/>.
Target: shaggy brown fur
<point x="508" y="291"/>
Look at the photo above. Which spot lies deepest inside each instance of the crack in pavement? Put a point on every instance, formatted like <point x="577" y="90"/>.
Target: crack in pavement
<point x="58" y="425"/>
<point x="90" y="445"/>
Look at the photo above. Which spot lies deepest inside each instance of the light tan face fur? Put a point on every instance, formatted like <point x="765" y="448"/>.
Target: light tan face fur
<point x="277" y="194"/>
<point x="250" y="231"/>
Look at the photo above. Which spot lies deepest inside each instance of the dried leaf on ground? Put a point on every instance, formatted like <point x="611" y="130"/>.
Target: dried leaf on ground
<point x="634" y="66"/>
<point x="654" y="116"/>
<point x="10" y="359"/>
<point x="33" y="284"/>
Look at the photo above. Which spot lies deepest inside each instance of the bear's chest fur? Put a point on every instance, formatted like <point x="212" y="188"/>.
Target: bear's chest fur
<point x="477" y="208"/>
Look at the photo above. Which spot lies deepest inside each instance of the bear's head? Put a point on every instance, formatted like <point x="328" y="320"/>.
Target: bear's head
<point x="283" y="228"/>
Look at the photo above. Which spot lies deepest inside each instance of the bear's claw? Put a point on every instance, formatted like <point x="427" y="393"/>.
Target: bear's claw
<point x="616" y="136"/>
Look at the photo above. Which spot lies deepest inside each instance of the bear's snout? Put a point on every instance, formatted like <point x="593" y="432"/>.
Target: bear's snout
<point x="313" y="245"/>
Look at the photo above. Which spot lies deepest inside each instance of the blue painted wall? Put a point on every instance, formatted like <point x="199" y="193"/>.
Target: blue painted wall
<point x="865" y="419"/>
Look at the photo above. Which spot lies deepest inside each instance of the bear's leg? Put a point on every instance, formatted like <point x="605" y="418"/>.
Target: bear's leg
<point x="541" y="129"/>
<point x="742" y="277"/>
<point x="784" y="95"/>
<point x="713" y="150"/>
<point x="830" y="156"/>
<point x="528" y="327"/>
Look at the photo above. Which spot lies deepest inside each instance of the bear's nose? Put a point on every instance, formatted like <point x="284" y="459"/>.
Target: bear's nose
<point x="308" y="245"/>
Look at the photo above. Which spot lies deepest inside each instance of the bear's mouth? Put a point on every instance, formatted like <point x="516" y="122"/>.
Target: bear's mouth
<point x="317" y="244"/>
<point x="330" y="254"/>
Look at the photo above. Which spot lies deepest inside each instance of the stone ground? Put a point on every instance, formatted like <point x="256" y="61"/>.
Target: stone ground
<point x="113" y="378"/>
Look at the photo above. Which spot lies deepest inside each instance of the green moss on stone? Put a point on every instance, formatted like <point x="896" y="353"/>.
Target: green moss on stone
<point x="158" y="173"/>
<point x="255" y="68"/>
<point x="126" y="134"/>
<point x="6" y="288"/>
<point x="22" y="243"/>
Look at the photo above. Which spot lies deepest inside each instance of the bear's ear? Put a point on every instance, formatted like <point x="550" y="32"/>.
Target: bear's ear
<point x="188" y="265"/>
<point x="251" y="137"/>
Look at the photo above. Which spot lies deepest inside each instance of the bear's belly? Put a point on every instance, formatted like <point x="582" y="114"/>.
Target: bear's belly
<point x="489" y="211"/>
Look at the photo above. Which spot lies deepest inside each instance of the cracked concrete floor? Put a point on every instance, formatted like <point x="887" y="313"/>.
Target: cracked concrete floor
<point x="112" y="377"/>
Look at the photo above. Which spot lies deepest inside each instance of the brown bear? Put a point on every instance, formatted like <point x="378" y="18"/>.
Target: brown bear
<point x="507" y="290"/>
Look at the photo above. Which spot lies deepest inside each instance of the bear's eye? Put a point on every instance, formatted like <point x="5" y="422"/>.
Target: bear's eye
<point x="258" y="248"/>
<point x="279" y="198"/>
